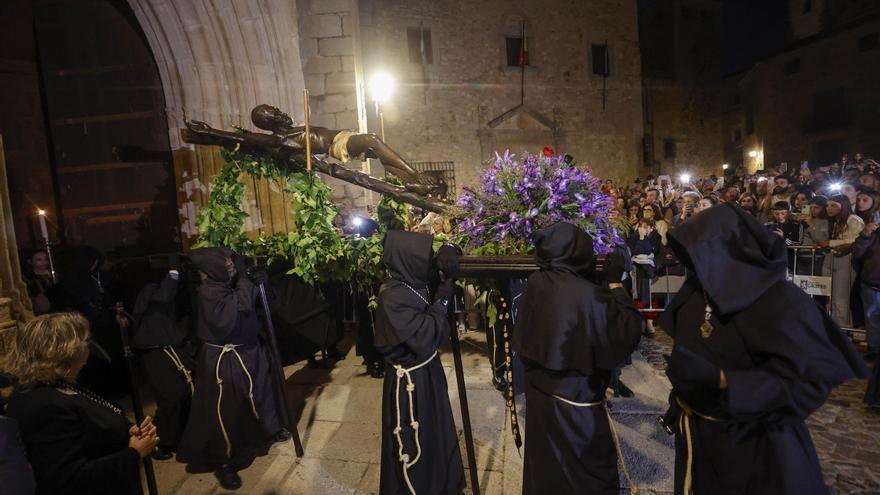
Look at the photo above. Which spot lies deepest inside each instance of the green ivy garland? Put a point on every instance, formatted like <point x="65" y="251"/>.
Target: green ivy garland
<point x="314" y="246"/>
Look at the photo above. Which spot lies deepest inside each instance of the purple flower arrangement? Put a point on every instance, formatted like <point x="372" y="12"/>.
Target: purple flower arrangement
<point x="518" y="196"/>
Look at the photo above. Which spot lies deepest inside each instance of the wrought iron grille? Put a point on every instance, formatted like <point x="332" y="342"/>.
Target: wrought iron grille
<point x="440" y="170"/>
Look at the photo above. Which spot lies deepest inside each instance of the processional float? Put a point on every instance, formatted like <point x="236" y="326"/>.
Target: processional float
<point x="306" y="148"/>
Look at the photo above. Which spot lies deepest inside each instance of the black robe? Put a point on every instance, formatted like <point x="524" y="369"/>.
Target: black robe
<point x="244" y="429"/>
<point x="159" y="336"/>
<point x="780" y="352"/>
<point x="571" y="335"/>
<point x="409" y="332"/>
<point x="74" y="444"/>
<point x="88" y="290"/>
<point x="301" y="316"/>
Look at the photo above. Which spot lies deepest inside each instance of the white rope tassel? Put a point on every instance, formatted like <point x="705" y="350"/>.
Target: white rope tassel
<point x="178" y="363"/>
<point x="410" y="389"/>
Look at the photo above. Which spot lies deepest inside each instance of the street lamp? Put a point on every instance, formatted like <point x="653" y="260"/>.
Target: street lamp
<point x="381" y="86"/>
<point x="725" y="166"/>
<point x="753" y="154"/>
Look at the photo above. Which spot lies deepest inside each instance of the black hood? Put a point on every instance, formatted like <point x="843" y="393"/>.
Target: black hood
<point x="735" y="259"/>
<point x="564" y="247"/>
<point x="408" y="256"/>
<point x="212" y="261"/>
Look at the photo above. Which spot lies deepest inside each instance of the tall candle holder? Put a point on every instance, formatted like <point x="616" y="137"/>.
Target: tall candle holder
<point x="41" y="214"/>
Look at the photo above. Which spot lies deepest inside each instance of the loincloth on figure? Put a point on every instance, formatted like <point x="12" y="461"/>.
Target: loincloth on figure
<point x="339" y="147"/>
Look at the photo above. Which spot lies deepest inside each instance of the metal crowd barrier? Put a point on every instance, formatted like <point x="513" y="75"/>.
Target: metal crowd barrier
<point x="805" y="270"/>
<point x="815" y="282"/>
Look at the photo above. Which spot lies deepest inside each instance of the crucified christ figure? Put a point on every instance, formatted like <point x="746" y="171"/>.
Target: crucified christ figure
<point x="342" y="145"/>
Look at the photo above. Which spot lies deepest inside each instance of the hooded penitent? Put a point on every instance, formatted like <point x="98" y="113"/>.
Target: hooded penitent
<point x="234" y="411"/>
<point x="410" y="327"/>
<point x="408" y="257"/>
<point x="562" y="316"/>
<point x="779" y="350"/>
<point x="219" y="303"/>
<point x="571" y="335"/>
<point x="741" y="267"/>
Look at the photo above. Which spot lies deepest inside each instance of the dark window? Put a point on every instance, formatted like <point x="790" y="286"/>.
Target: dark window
<point x="793" y="66"/>
<point x="750" y="122"/>
<point x="669" y="148"/>
<point x="687" y="14"/>
<point x="600" y="60"/>
<point x="736" y="99"/>
<point x="868" y="42"/>
<point x="737" y="136"/>
<point x="515" y="50"/>
<point x="419" y="44"/>
<point x="808" y="6"/>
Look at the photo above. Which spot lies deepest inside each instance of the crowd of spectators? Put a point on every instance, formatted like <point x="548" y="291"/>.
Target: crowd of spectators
<point x="827" y="215"/>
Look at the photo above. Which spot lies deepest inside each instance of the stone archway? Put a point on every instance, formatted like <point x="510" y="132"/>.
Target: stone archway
<point x="219" y="59"/>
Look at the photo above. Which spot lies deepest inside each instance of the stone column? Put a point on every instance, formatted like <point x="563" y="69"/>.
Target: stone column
<point x="330" y="52"/>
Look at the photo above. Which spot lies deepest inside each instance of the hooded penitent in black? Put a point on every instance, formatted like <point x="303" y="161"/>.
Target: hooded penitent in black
<point x="160" y="329"/>
<point x="409" y="329"/>
<point x="86" y="289"/>
<point x="226" y="425"/>
<point x="780" y="352"/>
<point x="571" y="335"/>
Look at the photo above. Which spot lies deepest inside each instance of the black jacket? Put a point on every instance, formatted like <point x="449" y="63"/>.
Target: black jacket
<point x="867" y="250"/>
<point x="75" y="445"/>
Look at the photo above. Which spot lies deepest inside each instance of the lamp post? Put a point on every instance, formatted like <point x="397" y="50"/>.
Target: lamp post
<point x="381" y="88"/>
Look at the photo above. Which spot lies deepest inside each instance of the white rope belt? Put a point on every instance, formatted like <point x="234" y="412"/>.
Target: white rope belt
<point x="633" y="489"/>
<point x="410" y="388"/>
<point x="224" y="349"/>
<point x="178" y="363"/>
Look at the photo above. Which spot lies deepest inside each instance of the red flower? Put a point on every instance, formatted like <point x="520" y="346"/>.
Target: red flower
<point x="548" y="151"/>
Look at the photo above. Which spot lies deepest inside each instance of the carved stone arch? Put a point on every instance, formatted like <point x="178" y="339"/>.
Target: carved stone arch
<point x="217" y="60"/>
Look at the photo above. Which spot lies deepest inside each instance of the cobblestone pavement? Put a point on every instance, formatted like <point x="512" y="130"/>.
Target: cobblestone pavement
<point x="845" y="431"/>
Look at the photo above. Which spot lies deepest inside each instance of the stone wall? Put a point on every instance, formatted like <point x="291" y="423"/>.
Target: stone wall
<point x="454" y="109"/>
<point x="330" y="51"/>
<point x="826" y="107"/>
<point x="682" y="84"/>
<point x="687" y="116"/>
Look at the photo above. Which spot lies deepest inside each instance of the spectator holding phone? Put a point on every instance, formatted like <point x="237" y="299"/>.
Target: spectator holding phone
<point x="844" y="228"/>
<point x="690" y="201"/>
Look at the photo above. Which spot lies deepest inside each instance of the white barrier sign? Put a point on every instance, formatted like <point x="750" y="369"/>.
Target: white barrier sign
<point x="813" y="285"/>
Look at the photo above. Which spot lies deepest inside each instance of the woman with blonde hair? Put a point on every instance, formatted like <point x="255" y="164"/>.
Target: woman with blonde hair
<point x="77" y="442"/>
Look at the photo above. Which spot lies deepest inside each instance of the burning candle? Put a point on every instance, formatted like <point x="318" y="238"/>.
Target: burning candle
<point x="43" y="229"/>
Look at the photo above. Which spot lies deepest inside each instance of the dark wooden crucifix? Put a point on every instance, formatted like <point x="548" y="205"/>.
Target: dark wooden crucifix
<point x="289" y="143"/>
